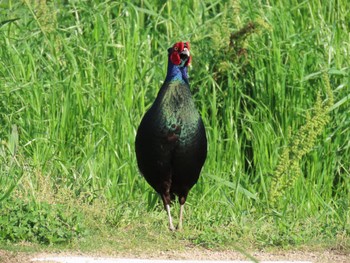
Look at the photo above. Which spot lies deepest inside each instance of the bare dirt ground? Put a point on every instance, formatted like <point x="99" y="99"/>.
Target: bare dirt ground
<point x="197" y="254"/>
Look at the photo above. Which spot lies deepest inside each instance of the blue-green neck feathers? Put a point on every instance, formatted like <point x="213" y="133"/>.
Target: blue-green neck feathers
<point x="176" y="73"/>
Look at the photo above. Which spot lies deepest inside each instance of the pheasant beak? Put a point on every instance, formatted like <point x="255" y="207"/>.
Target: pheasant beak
<point x="185" y="54"/>
<point x="185" y="57"/>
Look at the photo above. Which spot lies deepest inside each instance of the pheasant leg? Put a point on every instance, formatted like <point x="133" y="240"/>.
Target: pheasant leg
<point x="171" y="226"/>
<point x="179" y="226"/>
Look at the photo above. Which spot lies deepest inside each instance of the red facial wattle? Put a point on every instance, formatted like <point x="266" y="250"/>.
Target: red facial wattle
<point x="175" y="58"/>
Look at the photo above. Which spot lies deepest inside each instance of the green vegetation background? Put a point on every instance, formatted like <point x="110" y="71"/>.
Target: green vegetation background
<point x="270" y="78"/>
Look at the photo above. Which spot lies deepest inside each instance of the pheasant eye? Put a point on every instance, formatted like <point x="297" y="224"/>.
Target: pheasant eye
<point x="175" y="48"/>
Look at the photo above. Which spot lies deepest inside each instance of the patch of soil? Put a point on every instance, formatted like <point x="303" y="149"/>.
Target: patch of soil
<point x="331" y="256"/>
<point x="14" y="257"/>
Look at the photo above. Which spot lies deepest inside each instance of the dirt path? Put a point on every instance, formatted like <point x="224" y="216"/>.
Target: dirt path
<point x="197" y="254"/>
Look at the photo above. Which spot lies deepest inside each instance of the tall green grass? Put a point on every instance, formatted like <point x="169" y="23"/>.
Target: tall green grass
<point x="76" y="78"/>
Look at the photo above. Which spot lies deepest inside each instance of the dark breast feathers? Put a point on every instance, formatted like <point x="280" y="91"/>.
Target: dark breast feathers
<point x="171" y="145"/>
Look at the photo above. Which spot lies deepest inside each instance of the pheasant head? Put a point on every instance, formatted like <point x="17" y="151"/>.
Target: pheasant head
<point x="179" y="54"/>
